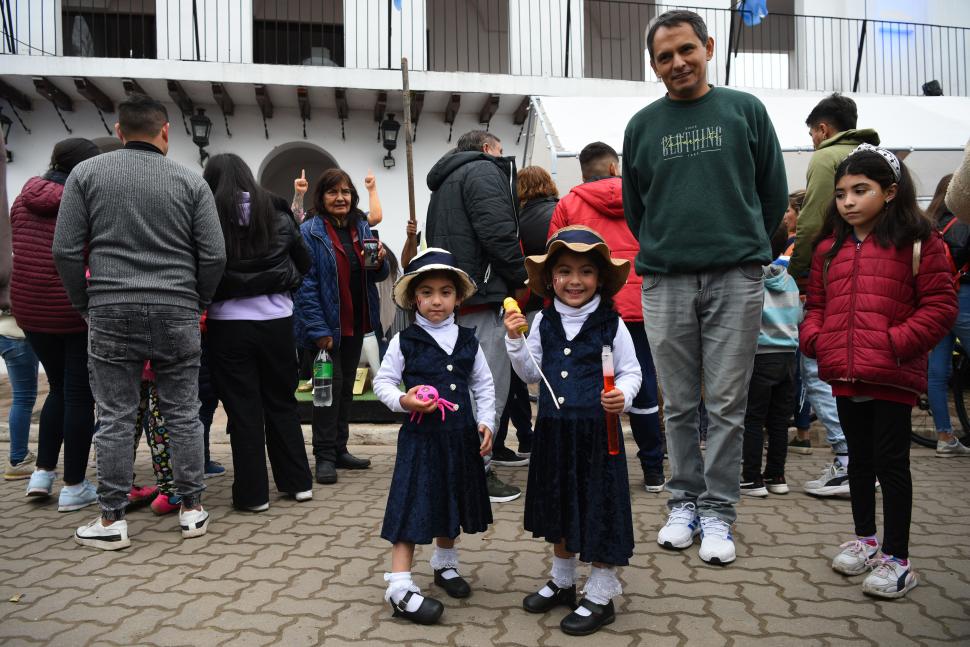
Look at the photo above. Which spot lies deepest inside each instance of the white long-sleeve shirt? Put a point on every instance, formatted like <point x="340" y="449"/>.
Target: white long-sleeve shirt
<point x="627" y="375"/>
<point x="445" y="335"/>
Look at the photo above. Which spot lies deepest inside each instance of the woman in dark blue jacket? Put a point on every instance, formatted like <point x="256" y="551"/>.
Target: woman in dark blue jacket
<point x="336" y="305"/>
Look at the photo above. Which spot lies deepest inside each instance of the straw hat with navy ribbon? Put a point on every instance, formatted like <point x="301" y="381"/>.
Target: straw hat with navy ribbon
<point x="431" y="259"/>
<point x="579" y="239"/>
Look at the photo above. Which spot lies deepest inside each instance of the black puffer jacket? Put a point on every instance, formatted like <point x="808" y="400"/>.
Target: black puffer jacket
<point x="280" y="269"/>
<point x="957" y="238"/>
<point x="472" y="215"/>
<point x="534" y="218"/>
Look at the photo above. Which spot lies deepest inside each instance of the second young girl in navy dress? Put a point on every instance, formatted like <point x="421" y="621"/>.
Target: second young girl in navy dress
<point x="578" y="497"/>
<point x="438" y="489"/>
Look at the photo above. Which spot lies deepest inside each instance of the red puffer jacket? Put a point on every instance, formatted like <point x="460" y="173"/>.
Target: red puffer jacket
<point x="37" y="296"/>
<point x="871" y="323"/>
<point x="599" y="205"/>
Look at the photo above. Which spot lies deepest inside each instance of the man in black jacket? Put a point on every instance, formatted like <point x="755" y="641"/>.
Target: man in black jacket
<point x="472" y="214"/>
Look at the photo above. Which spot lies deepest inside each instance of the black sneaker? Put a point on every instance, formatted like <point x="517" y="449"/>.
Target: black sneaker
<point x="776" y="484"/>
<point x="654" y="481"/>
<point x="499" y="492"/>
<point x="525" y="449"/>
<point x="507" y="458"/>
<point x="800" y="446"/>
<point x="754" y="488"/>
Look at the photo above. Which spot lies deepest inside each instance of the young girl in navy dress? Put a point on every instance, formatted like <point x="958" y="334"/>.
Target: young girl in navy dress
<point x="438" y="488"/>
<point x="880" y="295"/>
<point x="578" y="497"/>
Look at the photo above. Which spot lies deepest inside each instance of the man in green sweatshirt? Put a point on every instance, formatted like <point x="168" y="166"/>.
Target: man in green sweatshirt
<point x="704" y="188"/>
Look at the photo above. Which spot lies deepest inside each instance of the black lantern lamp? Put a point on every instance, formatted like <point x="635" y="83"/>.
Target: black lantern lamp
<point x="201" y="127"/>
<point x="6" y="122"/>
<point x="390" y="128"/>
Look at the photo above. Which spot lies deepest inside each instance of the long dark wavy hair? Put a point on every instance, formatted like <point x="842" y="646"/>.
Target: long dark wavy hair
<point x="937" y="208"/>
<point x="229" y="176"/>
<point x="333" y="178"/>
<point x="901" y="222"/>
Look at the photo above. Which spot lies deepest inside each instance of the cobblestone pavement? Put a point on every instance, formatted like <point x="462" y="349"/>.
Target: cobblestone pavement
<point x="311" y="573"/>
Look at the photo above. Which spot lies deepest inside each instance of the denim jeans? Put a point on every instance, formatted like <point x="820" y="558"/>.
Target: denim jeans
<point x="22" y="371"/>
<point x="703" y="329"/>
<point x="819" y="395"/>
<point x="802" y="407"/>
<point x="941" y="363"/>
<point x="121" y="338"/>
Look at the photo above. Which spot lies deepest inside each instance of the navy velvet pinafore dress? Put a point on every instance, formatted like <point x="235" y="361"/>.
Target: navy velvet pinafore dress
<point x="438" y="488"/>
<point x="577" y="491"/>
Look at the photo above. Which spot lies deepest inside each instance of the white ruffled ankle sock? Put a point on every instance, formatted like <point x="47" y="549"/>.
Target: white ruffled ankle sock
<point x="601" y="587"/>
<point x="398" y="585"/>
<point x="563" y="575"/>
<point x="445" y="558"/>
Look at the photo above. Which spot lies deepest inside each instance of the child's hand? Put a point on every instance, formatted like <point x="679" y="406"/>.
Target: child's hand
<point x="514" y="321"/>
<point x="486" y="435"/>
<point x="612" y="401"/>
<point x="411" y="403"/>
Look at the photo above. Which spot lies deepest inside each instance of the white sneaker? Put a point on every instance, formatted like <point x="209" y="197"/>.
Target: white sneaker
<point x="854" y="558"/>
<point x="890" y="579"/>
<point x="110" y="537"/>
<point x="193" y="523"/>
<point x="681" y="527"/>
<point x="834" y="481"/>
<point x="303" y="496"/>
<point x="717" y="544"/>
<point x="951" y="449"/>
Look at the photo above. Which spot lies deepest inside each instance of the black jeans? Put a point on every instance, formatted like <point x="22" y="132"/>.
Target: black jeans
<point x="68" y="413"/>
<point x="518" y="410"/>
<point x="331" y="427"/>
<point x="770" y="401"/>
<point x="878" y="435"/>
<point x="253" y="368"/>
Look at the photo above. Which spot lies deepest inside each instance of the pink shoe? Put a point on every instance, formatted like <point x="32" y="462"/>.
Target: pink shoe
<point x="165" y="504"/>
<point x="141" y="495"/>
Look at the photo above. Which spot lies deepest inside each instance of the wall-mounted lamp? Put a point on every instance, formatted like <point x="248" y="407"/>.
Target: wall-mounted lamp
<point x="390" y="128"/>
<point x="6" y="122"/>
<point x="201" y="127"/>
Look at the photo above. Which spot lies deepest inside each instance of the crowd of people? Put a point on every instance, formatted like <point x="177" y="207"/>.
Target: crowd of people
<point x="149" y="293"/>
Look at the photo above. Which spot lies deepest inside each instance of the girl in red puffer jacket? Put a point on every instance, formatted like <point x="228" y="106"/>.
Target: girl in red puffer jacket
<point x="880" y="296"/>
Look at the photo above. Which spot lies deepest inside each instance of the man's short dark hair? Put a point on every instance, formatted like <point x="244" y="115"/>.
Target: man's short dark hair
<point x="595" y="158"/>
<point x="674" y="18"/>
<point x="836" y="110"/>
<point x="474" y="141"/>
<point x="139" y="114"/>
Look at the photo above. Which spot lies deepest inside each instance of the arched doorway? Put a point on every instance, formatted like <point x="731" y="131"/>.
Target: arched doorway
<point x="283" y="165"/>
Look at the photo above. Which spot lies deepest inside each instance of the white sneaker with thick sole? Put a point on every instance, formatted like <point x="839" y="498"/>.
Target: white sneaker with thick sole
<point x="854" y="558"/>
<point x="834" y="481"/>
<point x="681" y="527"/>
<point x="890" y="579"/>
<point x="717" y="544"/>
<point x="303" y="496"/>
<point x="193" y="523"/>
<point x="110" y="537"/>
<point x="951" y="449"/>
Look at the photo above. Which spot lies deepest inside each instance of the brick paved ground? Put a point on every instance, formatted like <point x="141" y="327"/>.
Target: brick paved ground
<point x="310" y="573"/>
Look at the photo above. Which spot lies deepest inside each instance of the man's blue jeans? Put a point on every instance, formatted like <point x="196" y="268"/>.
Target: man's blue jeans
<point x="703" y="330"/>
<point x="819" y="395"/>
<point x="941" y="363"/>
<point x="22" y="371"/>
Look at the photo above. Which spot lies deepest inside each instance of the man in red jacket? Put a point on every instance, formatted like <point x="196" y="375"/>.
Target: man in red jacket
<point x="598" y="204"/>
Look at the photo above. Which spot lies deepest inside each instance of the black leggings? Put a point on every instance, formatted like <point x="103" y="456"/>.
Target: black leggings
<point x="878" y="435"/>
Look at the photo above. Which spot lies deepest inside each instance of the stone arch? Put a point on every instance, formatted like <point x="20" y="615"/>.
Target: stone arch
<point x="283" y="164"/>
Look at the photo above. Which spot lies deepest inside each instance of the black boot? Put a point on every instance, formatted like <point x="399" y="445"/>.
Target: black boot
<point x="535" y="603"/>
<point x="577" y="625"/>
<point x="326" y="472"/>
<point x="456" y="587"/>
<point x="427" y="614"/>
<point x="348" y="461"/>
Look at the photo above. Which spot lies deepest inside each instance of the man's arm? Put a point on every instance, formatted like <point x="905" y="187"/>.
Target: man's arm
<point x="820" y="185"/>
<point x="489" y="203"/>
<point x="70" y="238"/>
<point x="210" y="245"/>
<point x="632" y="204"/>
<point x="770" y="178"/>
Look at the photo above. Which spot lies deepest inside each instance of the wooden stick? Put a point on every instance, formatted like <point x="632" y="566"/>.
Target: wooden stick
<point x="407" y="139"/>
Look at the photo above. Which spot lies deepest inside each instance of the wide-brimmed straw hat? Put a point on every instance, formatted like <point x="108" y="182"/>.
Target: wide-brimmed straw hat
<point x="581" y="240"/>
<point x="430" y="260"/>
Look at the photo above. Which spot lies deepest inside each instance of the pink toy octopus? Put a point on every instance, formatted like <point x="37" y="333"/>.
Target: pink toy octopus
<point x="428" y="393"/>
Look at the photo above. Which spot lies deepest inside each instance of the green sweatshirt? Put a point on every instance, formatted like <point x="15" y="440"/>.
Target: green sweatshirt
<point x="704" y="183"/>
<point x="819" y="188"/>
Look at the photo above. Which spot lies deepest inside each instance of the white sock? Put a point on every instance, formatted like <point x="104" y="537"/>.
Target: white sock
<point x="398" y="586"/>
<point x="563" y="575"/>
<point x="843" y="459"/>
<point x="601" y="587"/>
<point x="445" y="558"/>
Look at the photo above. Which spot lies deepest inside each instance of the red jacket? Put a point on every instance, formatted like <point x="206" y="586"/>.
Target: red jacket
<point x="599" y="205"/>
<point x="37" y="297"/>
<point x="871" y="323"/>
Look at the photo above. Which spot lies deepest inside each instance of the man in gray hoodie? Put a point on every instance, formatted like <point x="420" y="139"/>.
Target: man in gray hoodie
<point x="147" y="231"/>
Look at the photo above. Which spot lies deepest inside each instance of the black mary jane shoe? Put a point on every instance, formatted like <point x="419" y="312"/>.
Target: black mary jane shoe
<point x="535" y="603"/>
<point x="577" y="625"/>
<point x="455" y="587"/>
<point x="427" y="614"/>
<point x="348" y="461"/>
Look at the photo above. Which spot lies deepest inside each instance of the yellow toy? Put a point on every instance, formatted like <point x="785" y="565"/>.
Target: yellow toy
<point x="511" y="305"/>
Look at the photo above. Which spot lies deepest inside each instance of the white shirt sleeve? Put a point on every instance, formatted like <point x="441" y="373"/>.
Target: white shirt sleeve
<point x="389" y="377"/>
<point x="483" y="391"/>
<point x="626" y="366"/>
<point x="522" y="364"/>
